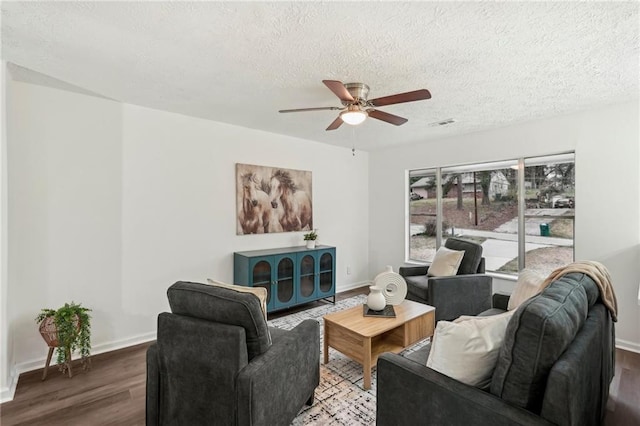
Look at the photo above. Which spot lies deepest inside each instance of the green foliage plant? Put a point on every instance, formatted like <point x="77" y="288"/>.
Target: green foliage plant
<point x="311" y="236"/>
<point x="73" y="327"/>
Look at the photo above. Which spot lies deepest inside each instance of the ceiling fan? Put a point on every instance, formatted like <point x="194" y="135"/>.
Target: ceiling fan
<point x="356" y="107"/>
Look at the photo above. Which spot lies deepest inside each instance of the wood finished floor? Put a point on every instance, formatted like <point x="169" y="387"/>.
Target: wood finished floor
<point x="113" y="391"/>
<point x="623" y="407"/>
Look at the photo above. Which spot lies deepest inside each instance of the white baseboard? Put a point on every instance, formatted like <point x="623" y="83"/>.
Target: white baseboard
<point x="6" y="394"/>
<point x="351" y="286"/>
<point x="628" y="346"/>
<point x="125" y="343"/>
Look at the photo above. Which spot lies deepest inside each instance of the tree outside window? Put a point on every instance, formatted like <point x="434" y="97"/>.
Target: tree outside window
<point x="481" y="202"/>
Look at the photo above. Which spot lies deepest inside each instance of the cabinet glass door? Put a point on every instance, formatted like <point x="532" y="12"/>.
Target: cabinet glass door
<point x="307" y="290"/>
<point x="326" y="272"/>
<point x="284" y="281"/>
<point x="261" y="277"/>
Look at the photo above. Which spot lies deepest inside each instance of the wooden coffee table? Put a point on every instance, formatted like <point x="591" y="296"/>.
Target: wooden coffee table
<point x="363" y="339"/>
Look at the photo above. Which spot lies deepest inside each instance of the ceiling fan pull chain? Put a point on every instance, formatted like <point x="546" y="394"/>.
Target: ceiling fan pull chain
<point x="353" y="141"/>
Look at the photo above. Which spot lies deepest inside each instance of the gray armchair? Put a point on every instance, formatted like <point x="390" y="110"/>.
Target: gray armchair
<point x="217" y="362"/>
<point x="467" y="293"/>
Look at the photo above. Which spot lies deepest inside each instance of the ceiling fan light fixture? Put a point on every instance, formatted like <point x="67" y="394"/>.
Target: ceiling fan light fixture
<point x="356" y="107"/>
<point x="353" y="115"/>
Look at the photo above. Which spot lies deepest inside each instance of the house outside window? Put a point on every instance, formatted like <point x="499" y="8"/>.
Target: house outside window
<point x="522" y="211"/>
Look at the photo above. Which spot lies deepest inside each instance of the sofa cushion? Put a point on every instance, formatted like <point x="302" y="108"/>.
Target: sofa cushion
<point x="421" y="355"/>
<point x="445" y="263"/>
<point x="590" y="287"/>
<point x="225" y="306"/>
<point x="467" y="348"/>
<point x="260" y="292"/>
<point x="528" y="285"/>
<point x="491" y="312"/>
<point x="418" y="286"/>
<point x="538" y="333"/>
<point x="472" y="254"/>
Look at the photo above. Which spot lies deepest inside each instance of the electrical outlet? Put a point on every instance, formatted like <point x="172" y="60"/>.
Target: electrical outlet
<point x="348" y="270"/>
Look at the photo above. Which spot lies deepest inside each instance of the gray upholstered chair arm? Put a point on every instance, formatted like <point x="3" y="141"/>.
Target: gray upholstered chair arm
<point x="153" y="385"/>
<point x="436" y="399"/>
<point x="292" y="356"/>
<point x="409" y="271"/>
<point x="501" y="301"/>
<point x="481" y="267"/>
<point x="460" y="295"/>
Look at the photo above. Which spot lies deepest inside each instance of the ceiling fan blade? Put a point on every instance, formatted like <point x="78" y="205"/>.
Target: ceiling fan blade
<point x="416" y="95"/>
<point x="310" y="109"/>
<point x="385" y="116"/>
<point x="339" y="90"/>
<point x="335" y="124"/>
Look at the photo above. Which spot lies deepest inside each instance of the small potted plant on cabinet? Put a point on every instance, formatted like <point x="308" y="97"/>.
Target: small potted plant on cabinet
<point x="66" y="330"/>
<point x="311" y="238"/>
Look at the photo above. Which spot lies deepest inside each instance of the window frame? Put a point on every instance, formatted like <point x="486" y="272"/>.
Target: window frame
<point x="522" y="163"/>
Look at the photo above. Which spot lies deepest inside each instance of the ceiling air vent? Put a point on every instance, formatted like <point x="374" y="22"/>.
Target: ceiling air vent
<point x="442" y="123"/>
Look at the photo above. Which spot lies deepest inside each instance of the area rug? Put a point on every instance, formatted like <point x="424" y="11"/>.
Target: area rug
<point x="340" y="398"/>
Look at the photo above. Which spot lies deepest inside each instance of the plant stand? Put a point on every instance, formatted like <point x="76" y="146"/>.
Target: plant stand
<point x="50" y="335"/>
<point x="49" y="356"/>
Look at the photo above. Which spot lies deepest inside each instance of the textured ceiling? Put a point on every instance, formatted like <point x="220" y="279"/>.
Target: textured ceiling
<point x="487" y="64"/>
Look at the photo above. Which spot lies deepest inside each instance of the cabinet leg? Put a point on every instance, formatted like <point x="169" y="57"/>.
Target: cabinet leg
<point x="46" y="365"/>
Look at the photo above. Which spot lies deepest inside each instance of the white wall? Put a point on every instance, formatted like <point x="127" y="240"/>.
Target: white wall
<point x="109" y="204"/>
<point x="606" y="142"/>
<point x="64" y="213"/>
<point x="180" y="171"/>
<point x="5" y="347"/>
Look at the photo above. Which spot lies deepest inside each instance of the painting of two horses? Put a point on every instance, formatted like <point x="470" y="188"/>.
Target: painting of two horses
<point x="271" y="199"/>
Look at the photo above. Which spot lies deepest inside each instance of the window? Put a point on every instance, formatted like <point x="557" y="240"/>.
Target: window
<point x="422" y="213"/>
<point x="521" y="211"/>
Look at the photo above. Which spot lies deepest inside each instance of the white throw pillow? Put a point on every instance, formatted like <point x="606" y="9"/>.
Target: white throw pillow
<point x="467" y="349"/>
<point x="259" y="292"/>
<point x="528" y="285"/>
<point x="445" y="263"/>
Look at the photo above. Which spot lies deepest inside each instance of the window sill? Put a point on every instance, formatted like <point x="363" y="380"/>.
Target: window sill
<point x="416" y="263"/>
<point x="499" y="275"/>
<point x="505" y="277"/>
<point x="502" y="276"/>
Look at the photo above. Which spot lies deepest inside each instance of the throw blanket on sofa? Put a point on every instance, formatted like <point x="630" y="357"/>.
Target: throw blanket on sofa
<point x="598" y="273"/>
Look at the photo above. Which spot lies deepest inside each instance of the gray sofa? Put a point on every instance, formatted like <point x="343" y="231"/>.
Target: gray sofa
<point x="217" y="362"/>
<point x="467" y="293"/>
<point x="555" y="367"/>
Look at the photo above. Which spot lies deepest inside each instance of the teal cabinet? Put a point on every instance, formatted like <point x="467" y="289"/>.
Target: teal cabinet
<point x="326" y="273"/>
<point x="284" y="281"/>
<point x="291" y="275"/>
<point x="262" y="276"/>
<point x="307" y="283"/>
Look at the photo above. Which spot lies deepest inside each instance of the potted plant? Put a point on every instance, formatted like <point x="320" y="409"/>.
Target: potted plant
<point x="67" y="329"/>
<point x="311" y="238"/>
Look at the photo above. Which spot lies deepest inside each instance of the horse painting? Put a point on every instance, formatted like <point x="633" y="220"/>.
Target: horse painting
<point x="294" y="203"/>
<point x="271" y="200"/>
<point x="256" y="209"/>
